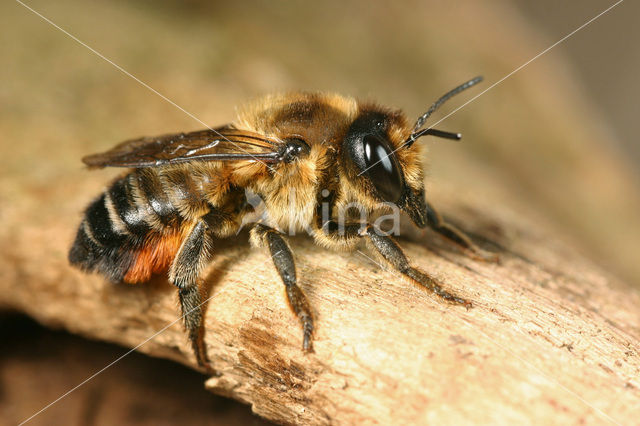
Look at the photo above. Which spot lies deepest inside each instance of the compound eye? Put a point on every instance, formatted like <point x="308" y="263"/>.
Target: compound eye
<point x="382" y="168"/>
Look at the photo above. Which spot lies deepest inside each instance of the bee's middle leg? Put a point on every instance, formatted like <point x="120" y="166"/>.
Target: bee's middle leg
<point x="283" y="261"/>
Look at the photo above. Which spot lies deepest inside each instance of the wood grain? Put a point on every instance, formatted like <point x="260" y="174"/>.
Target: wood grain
<point x="551" y="336"/>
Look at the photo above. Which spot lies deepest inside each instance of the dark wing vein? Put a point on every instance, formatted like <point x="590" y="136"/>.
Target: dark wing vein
<point x="222" y="144"/>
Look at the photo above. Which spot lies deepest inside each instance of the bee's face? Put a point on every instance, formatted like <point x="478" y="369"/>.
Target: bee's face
<point x="382" y="165"/>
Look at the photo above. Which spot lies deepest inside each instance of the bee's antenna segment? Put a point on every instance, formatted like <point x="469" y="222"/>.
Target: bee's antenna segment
<point x="437" y="104"/>
<point x="439" y="133"/>
<point x="433" y="132"/>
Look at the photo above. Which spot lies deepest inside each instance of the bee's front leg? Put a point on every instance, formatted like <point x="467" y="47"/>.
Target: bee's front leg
<point x="390" y="252"/>
<point x="393" y="254"/>
<point x="184" y="273"/>
<point x="438" y="224"/>
<point x="283" y="261"/>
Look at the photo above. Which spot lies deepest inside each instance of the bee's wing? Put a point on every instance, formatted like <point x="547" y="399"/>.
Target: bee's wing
<point x="222" y="144"/>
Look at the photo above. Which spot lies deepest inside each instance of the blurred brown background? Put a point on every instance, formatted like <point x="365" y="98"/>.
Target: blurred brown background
<point x="557" y="140"/>
<point x="602" y="57"/>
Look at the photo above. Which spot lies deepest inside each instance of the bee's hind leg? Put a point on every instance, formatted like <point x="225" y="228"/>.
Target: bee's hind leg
<point x="184" y="273"/>
<point x="438" y="224"/>
<point x="283" y="261"/>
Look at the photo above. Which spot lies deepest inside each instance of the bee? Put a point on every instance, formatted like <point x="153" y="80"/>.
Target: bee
<point x="305" y="155"/>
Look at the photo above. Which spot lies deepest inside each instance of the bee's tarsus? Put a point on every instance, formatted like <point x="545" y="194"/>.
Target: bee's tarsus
<point x="307" y="343"/>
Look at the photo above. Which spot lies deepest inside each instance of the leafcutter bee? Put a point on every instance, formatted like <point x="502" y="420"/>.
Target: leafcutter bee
<point x="305" y="155"/>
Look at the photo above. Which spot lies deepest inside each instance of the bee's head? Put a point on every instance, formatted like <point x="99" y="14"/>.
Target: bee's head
<point x="381" y="158"/>
<point x="378" y="164"/>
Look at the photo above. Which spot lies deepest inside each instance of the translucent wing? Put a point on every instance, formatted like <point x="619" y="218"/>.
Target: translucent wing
<point x="222" y="144"/>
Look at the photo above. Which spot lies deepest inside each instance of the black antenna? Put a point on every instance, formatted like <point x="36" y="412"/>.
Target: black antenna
<point x="437" y="104"/>
<point x="438" y="133"/>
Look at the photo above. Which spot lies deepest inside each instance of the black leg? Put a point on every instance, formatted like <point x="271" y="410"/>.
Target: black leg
<point x="283" y="261"/>
<point x="393" y="254"/>
<point x="437" y="223"/>
<point x="185" y="270"/>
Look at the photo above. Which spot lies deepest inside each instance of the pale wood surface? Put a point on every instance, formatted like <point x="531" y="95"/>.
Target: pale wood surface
<point x="551" y="337"/>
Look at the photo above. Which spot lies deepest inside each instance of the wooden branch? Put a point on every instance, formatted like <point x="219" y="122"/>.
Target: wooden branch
<point x="551" y="337"/>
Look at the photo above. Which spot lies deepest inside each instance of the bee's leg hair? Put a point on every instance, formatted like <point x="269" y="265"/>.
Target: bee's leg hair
<point x="184" y="273"/>
<point x="438" y="224"/>
<point x="283" y="260"/>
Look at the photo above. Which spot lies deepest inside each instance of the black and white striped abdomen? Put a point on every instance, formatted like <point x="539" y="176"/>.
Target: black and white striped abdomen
<point x="133" y="211"/>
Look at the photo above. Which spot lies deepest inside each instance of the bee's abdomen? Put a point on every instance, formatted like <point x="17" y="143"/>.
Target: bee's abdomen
<point x="149" y="192"/>
<point x="99" y="245"/>
<point x="126" y="215"/>
<point x="131" y="231"/>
